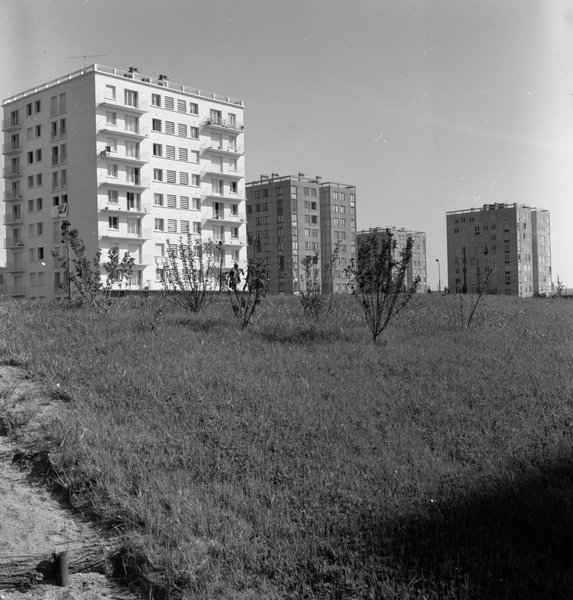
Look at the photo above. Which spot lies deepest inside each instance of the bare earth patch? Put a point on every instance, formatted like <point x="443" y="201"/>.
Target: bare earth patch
<point x="33" y="524"/>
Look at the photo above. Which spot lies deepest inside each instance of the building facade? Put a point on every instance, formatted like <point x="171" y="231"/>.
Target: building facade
<point x="132" y="162"/>
<point x="417" y="267"/>
<point x="507" y="244"/>
<point x="293" y="217"/>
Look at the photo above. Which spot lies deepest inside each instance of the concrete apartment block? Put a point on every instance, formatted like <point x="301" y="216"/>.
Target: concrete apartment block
<point x="132" y="162"/>
<point x="512" y="241"/>
<point x="291" y="217"/>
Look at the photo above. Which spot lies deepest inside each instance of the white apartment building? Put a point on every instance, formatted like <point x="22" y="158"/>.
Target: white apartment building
<point x="132" y="162"/>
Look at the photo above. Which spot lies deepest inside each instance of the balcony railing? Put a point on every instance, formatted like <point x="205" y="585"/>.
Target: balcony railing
<point x="103" y="125"/>
<point x="14" y="266"/>
<point x="223" y="124"/>
<point x="11" y="219"/>
<point x="112" y="181"/>
<point x="116" y="208"/>
<point x="11" y="196"/>
<point x="13" y="242"/>
<point x="140" y="158"/>
<point x="11" y="148"/>
<point x="58" y="109"/>
<point x="212" y="171"/>
<point x="139" y="107"/>
<point x="11" y="124"/>
<point x="222" y="149"/>
<point x="12" y="171"/>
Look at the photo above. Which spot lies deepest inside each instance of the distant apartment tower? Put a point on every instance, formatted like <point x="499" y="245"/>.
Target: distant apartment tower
<point x="417" y="267"/>
<point x="132" y="162"/>
<point x="289" y="218"/>
<point x="509" y="244"/>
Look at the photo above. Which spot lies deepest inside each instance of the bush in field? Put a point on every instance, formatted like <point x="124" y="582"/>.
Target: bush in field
<point x="378" y="281"/>
<point x="314" y="299"/>
<point x="246" y="290"/>
<point x="189" y="271"/>
<point x="85" y="274"/>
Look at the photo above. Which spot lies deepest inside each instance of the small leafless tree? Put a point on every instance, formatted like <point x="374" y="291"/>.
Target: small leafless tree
<point x="378" y="280"/>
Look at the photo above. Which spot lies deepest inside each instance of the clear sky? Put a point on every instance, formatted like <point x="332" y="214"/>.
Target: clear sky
<point x="425" y="105"/>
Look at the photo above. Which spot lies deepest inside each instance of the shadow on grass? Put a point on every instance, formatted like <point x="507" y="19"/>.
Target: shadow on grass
<point x="510" y="540"/>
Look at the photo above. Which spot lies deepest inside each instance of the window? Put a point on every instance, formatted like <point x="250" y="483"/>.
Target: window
<point x="170" y="152"/>
<point x="110" y="92"/>
<point x="172" y="225"/>
<point x="215" y="116"/>
<point x="110" y="117"/>
<point x="235" y="232"/>
<point x="158" y="199"/>
<point x="169" y="103"/>
<point x="38" y="130"/>
<point x="184" y="202"/>
<point x="131" y="98"/>
<point x="184" y="226"/>
<point x="234" y="209"/>
<point x="184" y="178"/>
<point x="39" y="179"/>
<point x="196" y="227"/>
<point x="156" y="124"/>
<point x="38" y="155"/>
<point x="170" y="127"/>
<point x="194" y="133"/>
<point x="234" y="187"/>
<point x="131" y="124"/>
<point x="181" y="106"/>
<point x="196" y="203"/>
<point x="28" y="109"/>
<point x="30" y="157"/>
<point x="193" y="108"/>
<point x="113" y="196"/>
<point x="159" y="249"/>
<point x="113" y="223"/>
<point x="133" y="201"/>
<point x="183" y="154"/>
<point x="112" y="170"/>
<point x="195" y="156"/>
<point x="158" y="174"/>
<point x="132" y="175"/>
<point x="155" y="100"/>
<point x="157" y="150"/>
<point x="170" y="176"/>
<point x="195" y="180"/>
<point x="37" y="106"/>
<point x="159" y="225"/>
<point x="171" y="201"/>
<point x="181" y="130"/>
<point x="63" y="127"/>
<point x="132" y="149"/>
<point x="134" y="227"/>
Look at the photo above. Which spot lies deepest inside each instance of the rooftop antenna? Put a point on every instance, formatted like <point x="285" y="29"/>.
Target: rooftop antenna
<point x="84" y="56"/>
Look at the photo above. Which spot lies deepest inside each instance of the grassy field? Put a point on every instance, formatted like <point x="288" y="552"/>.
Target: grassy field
<point x="296" y="459"/>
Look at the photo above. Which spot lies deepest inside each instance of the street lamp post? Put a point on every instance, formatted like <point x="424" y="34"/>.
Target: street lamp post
<point x="439" y="276"/>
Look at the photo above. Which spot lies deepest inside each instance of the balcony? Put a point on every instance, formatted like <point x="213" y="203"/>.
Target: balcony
<point x="223" y="124"/>
<point x="103" y="126"/>
<point x="58" y="109"/>
<point x="141" y="183"/>
<point x="12" y="172"/>
<point x="13" y="242"/>
<point x="12" y="196"/>
<point x="11" y="124"/>
<point x="115" y="234"/>
<point x="222" y="217"/>
<point x="134" y="160"/>
<point x="115" y="208"/>
<point x="224" y="150"/>
<point x="211" y="171"/>
<point x="15" y="266"/>
<point x="59" y="187"/>
<point x="12" y="219"/>
<point x="140" y="107"/>
<point x="11" y="148"/>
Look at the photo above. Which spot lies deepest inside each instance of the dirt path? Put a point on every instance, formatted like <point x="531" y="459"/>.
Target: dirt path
<point x="32" y="522"/>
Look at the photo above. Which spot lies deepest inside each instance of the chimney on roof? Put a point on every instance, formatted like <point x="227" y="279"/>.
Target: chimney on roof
<point x="318" y="177"/>
<point x="264" y="177"/>
<point x="300" y="175"/>
<point x="133" y="70"/>
<point x="273" y="175"/>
